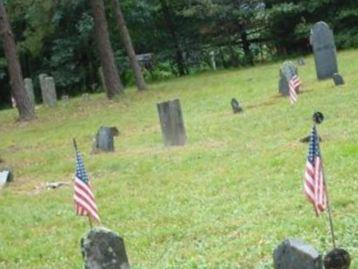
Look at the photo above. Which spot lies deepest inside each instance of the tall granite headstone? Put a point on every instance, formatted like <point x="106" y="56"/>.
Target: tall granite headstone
<point x="294" y="254"/>
<point x="324" y="49"/>
<point x="50" y="92"/>
<point x="172" y="123"/>
<point x="43" y="87"/>
<point x="104" y="249"/>
<point x="287" y="71"/>
<point x="30" y="89"/>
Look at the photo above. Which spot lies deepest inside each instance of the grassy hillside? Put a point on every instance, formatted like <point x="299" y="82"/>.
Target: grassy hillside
<point x="225" y="200"/>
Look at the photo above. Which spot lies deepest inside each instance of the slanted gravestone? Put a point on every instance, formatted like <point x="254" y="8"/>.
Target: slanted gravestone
<point x="294" y="254"/>
<point x="103" y="249"/>
<point x="172" y="123"/>
<point x="30" y="89"/>
<point x="5" y="177"/>
<point x="236" y="108"/>
<point x="287" y="71"/>
<point x="324" y="49"/>
<point x="104" y="139"/>
<point x="338" y="79"/>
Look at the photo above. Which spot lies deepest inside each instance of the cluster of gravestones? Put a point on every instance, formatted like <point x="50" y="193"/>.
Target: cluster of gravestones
<point x="324" y="50"/>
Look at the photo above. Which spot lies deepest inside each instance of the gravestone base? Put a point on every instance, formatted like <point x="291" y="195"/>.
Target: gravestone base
<point x="338" y="79"/>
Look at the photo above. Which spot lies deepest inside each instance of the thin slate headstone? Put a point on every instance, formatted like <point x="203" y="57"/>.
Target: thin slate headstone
<point x="294" y="254"/>
<point x="50" y="92"/>
<point x="30" y="89"/>
<point x="212" y="60"/>
<point x="324" y="49"/>
<point x="104" y="139"/>
<point x="5" y="177"/>
<point x="172" y="123"/>
<point x="104" y="249"/>
<point x="287" y="71"/>
<point x="338" y="79"/>
<point x="236" y="108"/>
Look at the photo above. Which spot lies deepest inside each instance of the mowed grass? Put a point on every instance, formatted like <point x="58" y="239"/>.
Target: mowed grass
<point x="225" y="200"/>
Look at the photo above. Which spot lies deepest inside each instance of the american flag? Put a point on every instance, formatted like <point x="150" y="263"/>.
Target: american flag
<point x="314" y="182"/>
<point x="294" y="85"/>
<point x="85" y="204"/>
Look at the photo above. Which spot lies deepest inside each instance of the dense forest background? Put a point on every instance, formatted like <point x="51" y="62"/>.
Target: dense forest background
<point x="173" y="37"/>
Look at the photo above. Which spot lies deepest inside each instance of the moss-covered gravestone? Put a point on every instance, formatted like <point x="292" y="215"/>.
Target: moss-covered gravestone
<point x="287" y="71"/>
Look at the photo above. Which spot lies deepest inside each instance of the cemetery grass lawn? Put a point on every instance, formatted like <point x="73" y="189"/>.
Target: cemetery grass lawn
<point x="225" y="200"/>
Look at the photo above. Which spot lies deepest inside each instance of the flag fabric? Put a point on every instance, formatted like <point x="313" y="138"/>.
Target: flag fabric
<point x="314" y="182"/>
<point x="85" y="204"/>
<point x="293" y="88"/>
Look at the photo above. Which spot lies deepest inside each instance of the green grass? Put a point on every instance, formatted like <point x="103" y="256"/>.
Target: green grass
<point x="225" y="200"/>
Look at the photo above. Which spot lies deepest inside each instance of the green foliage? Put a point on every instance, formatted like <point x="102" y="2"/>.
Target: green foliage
<point x="225" y="200"/>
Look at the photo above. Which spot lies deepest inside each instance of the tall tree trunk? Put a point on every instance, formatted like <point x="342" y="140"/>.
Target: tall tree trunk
<point x="171" y="28"/>
<point x="126" y="39"/>
<point x="113" y="83"/>
<point x="23" y="103"/>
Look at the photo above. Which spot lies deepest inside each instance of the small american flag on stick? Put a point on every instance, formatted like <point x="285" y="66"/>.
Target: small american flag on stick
<point x="85" y="204"/>
<point x="293" y="88"/>
<point x="314" y="182"/>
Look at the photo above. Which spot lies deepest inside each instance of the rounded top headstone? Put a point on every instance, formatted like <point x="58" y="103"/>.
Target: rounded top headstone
<point x="321" y="34"/>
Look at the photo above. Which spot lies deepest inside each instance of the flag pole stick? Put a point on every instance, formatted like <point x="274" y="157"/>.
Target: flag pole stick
<point x="329" y="211"/>
<point x="90" y="222"/>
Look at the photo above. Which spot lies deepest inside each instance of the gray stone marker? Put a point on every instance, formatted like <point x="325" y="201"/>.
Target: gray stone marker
<point x="5" y="177"/>
<point x="301" y="61"/>
<point x="287" y="71"/>
<point x="51" y="95"/>
<point x="30" y="89"/>
<point x="338" y="79"/>
<point x="172" y="123"/>
<point x="324" y="49"/>
<point x="104" y="139"/>
<point x="43" y="86"/>
<point x="103" y="249"/>
<point x="236" y="108"/>
<point x="294" y="254"/>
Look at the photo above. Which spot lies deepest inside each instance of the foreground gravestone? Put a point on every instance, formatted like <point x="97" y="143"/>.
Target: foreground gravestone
<point x="172" y="123"/>
<point x="324" y="49"/>
<point x="287" y="71"/>
<point x="103" y="249"/>
<point x="5" y="177"/>
<point x="104" y="139"/>
<point x="337" y="259"/>
<point x="236" y="108"/>
<point x="294" y="254"/>
<point x="30" y="89"/>
<point x="338" y="79"/>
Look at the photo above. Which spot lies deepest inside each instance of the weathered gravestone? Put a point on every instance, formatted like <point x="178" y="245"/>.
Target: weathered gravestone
<point x="104" y="139"/>
<point x="287" y="71"/>
<point x="172" y="123"/>
<point x="324" y="49"/>
<point x="5" y="177"/>
<point x="48" y="90"/>
<point x="301" y="61"/>
<point x="338" y="79"/>
<point x="103" y="249"/>
<point x="294" y="254"/>
<point x="30" y="89"/>
<point x="236" y="108"/>
<point x="337" y="259"/>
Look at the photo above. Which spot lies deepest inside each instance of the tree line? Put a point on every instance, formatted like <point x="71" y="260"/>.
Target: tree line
<point x="65" y="38"/>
